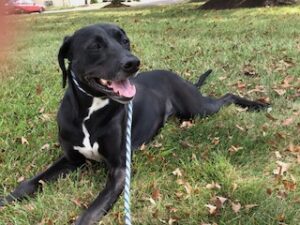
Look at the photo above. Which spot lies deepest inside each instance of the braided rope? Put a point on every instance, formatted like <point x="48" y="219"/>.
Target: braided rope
<point x="128" y="166"/>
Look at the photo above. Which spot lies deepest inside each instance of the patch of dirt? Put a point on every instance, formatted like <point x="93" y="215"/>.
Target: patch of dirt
<point x="231" y="4"/>
<point x="116" y="5"/>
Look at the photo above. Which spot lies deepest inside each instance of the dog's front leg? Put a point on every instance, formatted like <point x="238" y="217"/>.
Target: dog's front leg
<point x="105" y="200"/>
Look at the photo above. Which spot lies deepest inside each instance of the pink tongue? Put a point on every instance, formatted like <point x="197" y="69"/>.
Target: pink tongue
<point x="124" y="88"/>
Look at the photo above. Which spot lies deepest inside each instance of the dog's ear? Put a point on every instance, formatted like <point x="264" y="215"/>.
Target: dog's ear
<point x="64" y="53"/>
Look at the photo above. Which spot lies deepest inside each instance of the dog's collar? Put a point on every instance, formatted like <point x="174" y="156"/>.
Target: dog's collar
<point x="78" y="86"/>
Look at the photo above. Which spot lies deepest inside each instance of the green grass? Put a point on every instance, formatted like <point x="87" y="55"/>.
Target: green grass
<point x="188" y="42"/>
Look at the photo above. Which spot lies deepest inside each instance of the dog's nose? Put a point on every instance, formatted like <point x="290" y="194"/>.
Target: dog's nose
<point x="131" y="64"/>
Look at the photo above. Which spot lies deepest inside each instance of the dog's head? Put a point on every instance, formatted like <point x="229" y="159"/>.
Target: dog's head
<point x="99" y="56"/>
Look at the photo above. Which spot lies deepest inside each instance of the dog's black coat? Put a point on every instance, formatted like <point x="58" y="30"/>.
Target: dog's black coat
<point x="103" y="52"/>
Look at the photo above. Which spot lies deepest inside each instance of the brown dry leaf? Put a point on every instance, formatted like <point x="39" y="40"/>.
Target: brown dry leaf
<point x="24" y="141"/>
<point x="179" y="194"/>
<point x="264" y="100"/>
<point x="249" y="70"/>
<point x="286" y="82"/>
<point x="280" y="92"/>
<point x="45" y="117"/>
<point x="29" y="207"/>
<point x="269" y="191"/>
<point x="42" y="110"/>
<point x="215" y="140"/>
<point x="240" y="128"/>
<point x="282" y="167"/>
<point x="236" y="207"/>
<point x="211" y="209"/>
<point x="234" y="149"/>
<point x="213" y="185"/>
<point x="240" y="85"/>
<point x="234" y="186"/>
<point x="250" y="206"/>
<point x="186" y="124"/>
<point x="281" y="218"/>
<point x="219" y="201"/>
<point x="293" y="148"/>
<point x="188" y="188"/>
<point x="278" y="155"/>
<point x="156" y="144"/>
<point x="186" y="144"/>
<point x="289" y="185"/>
<point x="78" y="203"/>
<point x="269" y="116"/>
<point x="38" y="89"/>
<point x="298" y="158"/>
<point x="143" y="147"/>
<point x="45" y="147"/>
<point x="172" y="221"/>
<point x="282" y="194"/>
<point x="177" y="172"/>
<point x="20" y="179"/>
<point x="287" y="121"/>
<point x="156" y="194"/>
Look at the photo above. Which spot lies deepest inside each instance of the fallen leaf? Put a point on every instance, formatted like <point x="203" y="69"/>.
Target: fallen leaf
<point x="156" y="194"/>
<point x="293" y="148"/>
<point x="239" y="127"/>
<point x="219" y="201"/>
<point x="186" y="144"/>
<point x="236" y="207"/>
<point x="288" y="121"/>
<point x="250" y="206"/>
<point x="177" y="172"/>
<point x="282" y="194"/>
<point x="282" y="167"/>
<point x="269" y="116"/>
<point x="289" y="185"/>
<point x="281" y="217"/>
<point x="234" y="149"/>
<point x="215" y="140"/>
<point x="38" y="89"/>
<point x="186" y="124"/>
<point x="278" y="155"/>
<point x="20" y="179"/>
<point x="172" y="221"/>
<point x="280" y="92"/>
<point x="249" y="70"/>
<point x="24" y="141"/>
<point x="45" y="147"/>
<point x="213" y="185"/>
<point x="269" y="191"/>
<point x="143" y="147"/>
<point x="211" y="209"/>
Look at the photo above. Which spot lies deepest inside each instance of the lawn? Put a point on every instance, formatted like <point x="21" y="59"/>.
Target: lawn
<point x="185" y="175"/>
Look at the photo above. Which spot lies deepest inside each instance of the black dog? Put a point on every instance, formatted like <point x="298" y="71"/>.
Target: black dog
<point x="92" y="115"/>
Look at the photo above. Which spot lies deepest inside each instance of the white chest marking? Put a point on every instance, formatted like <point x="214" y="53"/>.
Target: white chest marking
<point x="87" y="149"/>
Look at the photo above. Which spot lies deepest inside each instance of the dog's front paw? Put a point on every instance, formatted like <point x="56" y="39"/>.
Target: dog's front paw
<point x="2" y="202"/>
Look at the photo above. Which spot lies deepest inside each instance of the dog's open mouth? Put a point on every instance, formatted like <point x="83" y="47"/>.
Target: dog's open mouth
<point x="121" y="88"/>
<point x="121" y="91"/>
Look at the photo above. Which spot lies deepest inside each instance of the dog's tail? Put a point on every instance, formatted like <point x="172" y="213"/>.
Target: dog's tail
<point x="202" y="78"/>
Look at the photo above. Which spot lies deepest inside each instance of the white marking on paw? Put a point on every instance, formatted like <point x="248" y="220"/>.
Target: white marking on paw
<point x="89" y="151"/>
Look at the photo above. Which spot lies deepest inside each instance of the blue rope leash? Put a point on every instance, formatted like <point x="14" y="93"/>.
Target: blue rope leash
<point x="128" y="155"/>
<point x="128" y="166"/>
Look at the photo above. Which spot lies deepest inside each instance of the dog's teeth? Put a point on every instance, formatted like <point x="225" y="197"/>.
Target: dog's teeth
<point x="104" y="82"/>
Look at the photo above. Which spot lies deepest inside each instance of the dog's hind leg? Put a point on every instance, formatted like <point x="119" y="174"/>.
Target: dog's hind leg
<point x="202" y="79"/>
<point x="197" y="105"/>
<point x="60" y="168"/>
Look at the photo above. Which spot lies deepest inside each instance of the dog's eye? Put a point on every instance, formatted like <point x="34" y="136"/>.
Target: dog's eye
<point x="125" y="41"/>
<point x="95" y="46"/>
